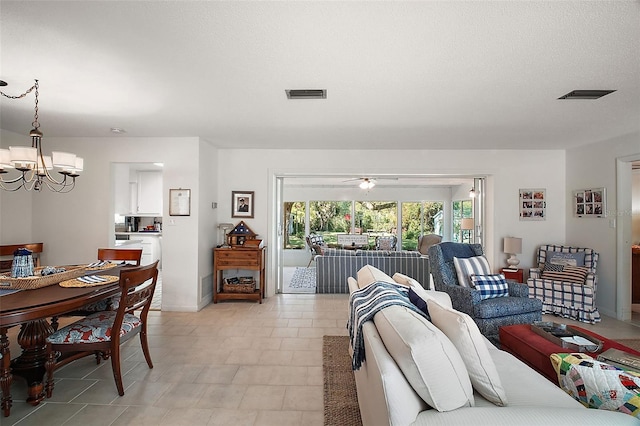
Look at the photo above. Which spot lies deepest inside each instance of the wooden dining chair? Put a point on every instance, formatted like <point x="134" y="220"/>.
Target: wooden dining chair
<point x="127" y="255"/>
<point x="101" y="333"/>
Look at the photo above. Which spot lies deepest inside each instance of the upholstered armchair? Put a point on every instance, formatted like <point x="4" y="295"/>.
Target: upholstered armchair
<point x="513" y="307"/>
<point x="565" y="281"/>
<point x="426" y="241"/>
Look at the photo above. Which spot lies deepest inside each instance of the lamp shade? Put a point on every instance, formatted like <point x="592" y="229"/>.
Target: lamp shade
<point x="512" y="245"/>
<point x="467" y="224"/>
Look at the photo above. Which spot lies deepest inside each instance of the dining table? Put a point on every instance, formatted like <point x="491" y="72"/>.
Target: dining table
<point x="36" y="312"/>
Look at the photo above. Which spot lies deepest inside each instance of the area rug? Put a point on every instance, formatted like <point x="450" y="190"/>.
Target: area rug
<point x="303" y="281"/>
<point x="340" y="396"/>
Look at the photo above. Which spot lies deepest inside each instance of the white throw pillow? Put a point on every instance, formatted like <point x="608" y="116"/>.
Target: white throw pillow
<point x="370" y="274"/>
<point x="404" y="280"/>
<point x="428" y="360"/>
<point x="466" y="337"/>
<point x="467" y="266"/>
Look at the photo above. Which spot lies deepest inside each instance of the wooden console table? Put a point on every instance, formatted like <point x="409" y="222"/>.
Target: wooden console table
<point x="250" y="258"/>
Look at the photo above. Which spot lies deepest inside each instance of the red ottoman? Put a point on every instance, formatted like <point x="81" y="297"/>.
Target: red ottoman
<point x="535" y="350"/>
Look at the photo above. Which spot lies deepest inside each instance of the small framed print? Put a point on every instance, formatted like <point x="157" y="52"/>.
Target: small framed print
<point x="590" y="202"/>
<point x="242" y="204"/>
<point x="533" y="204"/>
<point x="180" y="202"/>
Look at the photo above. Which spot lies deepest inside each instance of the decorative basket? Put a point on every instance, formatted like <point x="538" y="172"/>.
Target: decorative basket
<point x="241" y="287"/>
<point x="38" y="281"/>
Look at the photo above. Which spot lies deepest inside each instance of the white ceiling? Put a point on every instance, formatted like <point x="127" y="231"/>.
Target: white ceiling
<point x="399" y="75"/>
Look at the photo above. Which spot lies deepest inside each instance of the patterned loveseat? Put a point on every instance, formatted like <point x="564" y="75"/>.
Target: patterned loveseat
<point x="336" y="265"/>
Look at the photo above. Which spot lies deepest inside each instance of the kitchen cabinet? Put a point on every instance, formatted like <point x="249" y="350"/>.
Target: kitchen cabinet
<point x="122" y="201"/>
<point x="151" y="248"/>
<point x="149" y="193"/>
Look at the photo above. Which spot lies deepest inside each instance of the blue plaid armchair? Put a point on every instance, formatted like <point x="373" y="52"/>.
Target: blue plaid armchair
<point x="489" y="314"/>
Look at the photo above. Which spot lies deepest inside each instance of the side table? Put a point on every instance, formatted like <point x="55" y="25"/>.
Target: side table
<point x="516" y="275"/>
<point x="249" y="258"/>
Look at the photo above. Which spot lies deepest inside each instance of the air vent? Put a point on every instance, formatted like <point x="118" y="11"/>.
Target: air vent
<point x="586" y="94"/>
<point x="307" y="94"/>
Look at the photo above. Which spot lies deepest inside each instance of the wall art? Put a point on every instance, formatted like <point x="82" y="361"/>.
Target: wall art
<point x="180" y="202"/>
<point x="533" y="204"/>
<point x="242" y="204"/>
<point x="590" y="202"/>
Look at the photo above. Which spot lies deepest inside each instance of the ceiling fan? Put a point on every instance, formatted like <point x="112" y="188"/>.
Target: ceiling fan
<point x="367" y="182"/>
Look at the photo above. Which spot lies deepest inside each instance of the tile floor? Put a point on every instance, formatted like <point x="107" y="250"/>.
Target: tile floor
<point x="232" y="363"/>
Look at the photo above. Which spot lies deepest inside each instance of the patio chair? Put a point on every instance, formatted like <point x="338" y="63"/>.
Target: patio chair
<point x="386" y="242"/>
<point x="316" y="245"/>
<point x="513" y="307"/>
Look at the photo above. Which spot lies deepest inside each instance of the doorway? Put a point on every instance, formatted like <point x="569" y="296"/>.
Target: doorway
<point x="137" y="203"/>
<point x="625" y="309"/>
<point x="305" y="189"/>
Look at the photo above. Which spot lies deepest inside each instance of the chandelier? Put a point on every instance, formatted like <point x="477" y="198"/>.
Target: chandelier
<point x="34" y="169"/>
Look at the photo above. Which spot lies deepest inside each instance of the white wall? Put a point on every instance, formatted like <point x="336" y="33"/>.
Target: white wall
<point x="72" y="226"/>
<point x="506" y="171"/>
<point x="15" y="207"/>
<point x="635" y="207"/>
<point x="207" y="224"/>
<point x="594" y="166"/>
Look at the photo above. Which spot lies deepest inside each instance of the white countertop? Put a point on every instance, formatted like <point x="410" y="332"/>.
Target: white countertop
<point x="137" y="234"/>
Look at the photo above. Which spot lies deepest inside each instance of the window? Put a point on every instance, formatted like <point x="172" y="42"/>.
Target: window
<point x="329" y="218"/>
<point x="293" y="220"/>
<point x="419" y="218"/>
<point x="462" y="209"/>
<point x="376" y="218"/>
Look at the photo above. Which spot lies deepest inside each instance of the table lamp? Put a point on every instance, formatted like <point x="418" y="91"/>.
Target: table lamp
<point x="224" y="227"/>
<point x="512" y="246"/>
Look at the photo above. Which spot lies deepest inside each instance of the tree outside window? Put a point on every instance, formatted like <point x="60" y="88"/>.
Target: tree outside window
<point x="420" y="218"/>
<point x="294" y="213"/>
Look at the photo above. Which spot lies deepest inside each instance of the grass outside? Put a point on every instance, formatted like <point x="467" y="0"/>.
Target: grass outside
<point x="297" y="242"/>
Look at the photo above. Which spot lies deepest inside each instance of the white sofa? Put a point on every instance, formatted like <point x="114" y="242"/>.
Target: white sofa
<point x="386" y="395"/>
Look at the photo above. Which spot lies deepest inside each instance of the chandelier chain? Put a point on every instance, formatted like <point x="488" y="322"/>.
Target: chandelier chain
<point x="35" y="86"/>
<point x="35" y="122"/>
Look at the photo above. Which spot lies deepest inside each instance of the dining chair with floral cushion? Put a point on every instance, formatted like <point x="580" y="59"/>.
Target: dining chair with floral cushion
<point x="130" y="256"/>
<point x="101" y="333"/>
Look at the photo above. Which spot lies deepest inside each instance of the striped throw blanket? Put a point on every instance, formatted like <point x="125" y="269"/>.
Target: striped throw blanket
<point x="364" y="304"/>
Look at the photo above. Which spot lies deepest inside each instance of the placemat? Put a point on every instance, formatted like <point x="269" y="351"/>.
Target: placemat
<point x="76" y="282"/>
<point x="100" y="266"/>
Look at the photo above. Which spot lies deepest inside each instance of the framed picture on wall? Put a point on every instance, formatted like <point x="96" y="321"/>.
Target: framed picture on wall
<point x="590" y="202"/>
<point x="533" y="204"/>
<point x="242" y="204"/>
<point x="179" y="202"/>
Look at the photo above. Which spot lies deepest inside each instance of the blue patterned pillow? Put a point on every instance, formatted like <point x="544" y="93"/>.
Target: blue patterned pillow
<point x="490" y="286"/>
